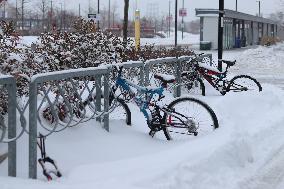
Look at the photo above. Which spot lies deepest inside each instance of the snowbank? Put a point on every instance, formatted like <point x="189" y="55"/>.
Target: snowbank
<point x="250" y="135"/>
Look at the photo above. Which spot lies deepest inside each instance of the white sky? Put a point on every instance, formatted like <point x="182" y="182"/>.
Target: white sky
<point x="247" y="6"/>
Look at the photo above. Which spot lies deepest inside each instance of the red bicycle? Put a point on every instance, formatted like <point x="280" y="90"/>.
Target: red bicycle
<point x="194" y="76"/>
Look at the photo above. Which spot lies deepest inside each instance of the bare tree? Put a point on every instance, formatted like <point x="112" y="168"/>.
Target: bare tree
<point x="125" y="21"/>
<point x="43" y="8"/>
<point x="114" y="13"/>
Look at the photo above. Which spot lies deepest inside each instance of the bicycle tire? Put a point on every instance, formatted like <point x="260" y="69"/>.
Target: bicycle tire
<point x="175" y="133"/>
<point x="235" y="83"/>
<point x="120" y="103"/>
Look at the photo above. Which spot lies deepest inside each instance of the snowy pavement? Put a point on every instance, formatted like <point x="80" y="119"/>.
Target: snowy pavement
<point x="246" y="152"/>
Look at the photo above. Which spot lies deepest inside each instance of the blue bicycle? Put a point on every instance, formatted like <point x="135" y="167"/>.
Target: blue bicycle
<point x="182" y="117"/>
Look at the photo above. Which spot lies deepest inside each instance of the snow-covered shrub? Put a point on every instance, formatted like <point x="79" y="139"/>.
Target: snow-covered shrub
<point x="269" y="40"/>
<point x="8" y="39"/>
<point x="151" y="52"/>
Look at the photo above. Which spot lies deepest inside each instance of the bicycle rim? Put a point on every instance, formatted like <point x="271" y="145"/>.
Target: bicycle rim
<point x="244" y="83"/>
<point x="189" y="118"/>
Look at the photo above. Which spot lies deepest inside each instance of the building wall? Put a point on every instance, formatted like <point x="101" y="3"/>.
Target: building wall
<point x="280" y="32"/>
<point x="255" y="33"/>
<point x="269" y="30"/>
<point x="210" y="31"/>
<point x="264" y="29"/>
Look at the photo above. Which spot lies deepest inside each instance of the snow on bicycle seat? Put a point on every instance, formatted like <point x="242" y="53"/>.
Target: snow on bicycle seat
<point x="208" y="67"/>
<point x="229" y="63"/>
<point x="165" y="78"/>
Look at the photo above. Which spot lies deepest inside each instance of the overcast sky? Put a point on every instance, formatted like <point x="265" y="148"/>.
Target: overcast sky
<point x="161" y="7"/>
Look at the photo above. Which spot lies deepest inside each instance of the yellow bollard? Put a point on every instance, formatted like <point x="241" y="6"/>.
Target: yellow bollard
<point x="137" y="29"/>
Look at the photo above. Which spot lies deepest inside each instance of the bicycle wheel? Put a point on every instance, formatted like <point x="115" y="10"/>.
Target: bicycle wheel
<point x="244" y="83"/>
<point x="188" y="117"/>
<point x="119" y="110"/>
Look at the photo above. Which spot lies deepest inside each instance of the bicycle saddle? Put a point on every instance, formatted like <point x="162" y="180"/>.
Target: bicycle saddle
<point x="229" y="63"/>
<point x="165" y="78"/>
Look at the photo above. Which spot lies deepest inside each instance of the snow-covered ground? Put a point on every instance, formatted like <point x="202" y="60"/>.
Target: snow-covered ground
<point x="246" y="152"/>
<point x="189" y="39"/>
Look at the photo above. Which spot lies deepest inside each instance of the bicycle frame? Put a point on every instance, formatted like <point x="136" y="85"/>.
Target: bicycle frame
<point x="155" y="120"/>
<point x="143" y="104"/>
<point x="216" y="79"/>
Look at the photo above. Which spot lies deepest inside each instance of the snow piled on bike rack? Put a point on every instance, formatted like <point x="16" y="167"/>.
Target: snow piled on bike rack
<point x="246" y="152"/>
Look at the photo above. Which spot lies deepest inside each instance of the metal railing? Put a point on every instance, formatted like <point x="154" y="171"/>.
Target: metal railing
<point x="171" y="66"/>
<point x="133" y="70"/>
<point x="65" y="99"/>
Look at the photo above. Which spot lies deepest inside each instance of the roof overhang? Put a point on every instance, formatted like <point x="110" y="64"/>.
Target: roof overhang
<point x="232" y="14"/>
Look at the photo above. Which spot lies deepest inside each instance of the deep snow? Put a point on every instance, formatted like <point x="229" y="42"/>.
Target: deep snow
<point x="245" y="152"/>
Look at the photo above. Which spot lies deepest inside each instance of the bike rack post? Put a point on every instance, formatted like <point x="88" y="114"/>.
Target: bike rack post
<point x="9" y="83"/>
<point x="33" y="130"/>
<point x="98" y="83"/>
<point x="106" y="99"/>
<point x="178" y="78"/>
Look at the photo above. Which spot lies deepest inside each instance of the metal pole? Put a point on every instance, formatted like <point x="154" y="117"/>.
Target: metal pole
<point x="220" y="34"/>
<point x="23" y="1"/>
<point x="108" y="13"/>
<point x="51" y="14"/>
<point x="16" y="14"/>
<point x="4" y="7"/>
<point x="61" y="20"/>
<point x="33" y="130"/>
<point x="64" y="16"/>
<point x="176" y="16"/>
<point x="12" y="130"/>
<point x="89" y="6"/>
<point x="79" y="10"/>
<point x="182" y="21"/>
<point x="106" y="101"/>
<point x="259" y="8"/>
<point x="236" y="5"/>
<point x="169" y="19"/>
<point x="98" y="14"/>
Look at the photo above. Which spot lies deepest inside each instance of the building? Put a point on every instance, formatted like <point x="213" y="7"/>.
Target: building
<point x="240" y="29"/>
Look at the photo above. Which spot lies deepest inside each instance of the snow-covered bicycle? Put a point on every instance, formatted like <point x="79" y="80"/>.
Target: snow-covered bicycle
<point x="199" y="71"/>
<point x="181" y="117"/>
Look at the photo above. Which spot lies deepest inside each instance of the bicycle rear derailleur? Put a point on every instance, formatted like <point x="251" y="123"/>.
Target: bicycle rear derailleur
<point x="156" y="123"/>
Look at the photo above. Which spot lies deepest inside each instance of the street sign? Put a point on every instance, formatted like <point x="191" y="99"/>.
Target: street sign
<point x="94" y="17"/>
<point x="183" y="12"/>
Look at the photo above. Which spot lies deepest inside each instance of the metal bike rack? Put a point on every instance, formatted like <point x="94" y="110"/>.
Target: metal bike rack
<point x="68" y="88"/>
<point x="50" y="89"/>
<point x="8" y="83"/>
<point x="172" y="66"/>
<point x="134" y="65"/>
